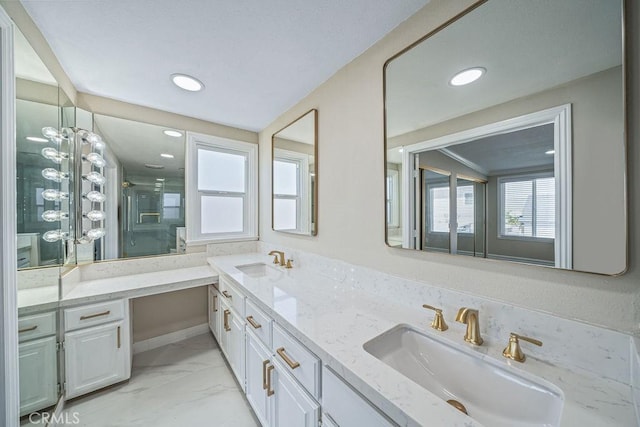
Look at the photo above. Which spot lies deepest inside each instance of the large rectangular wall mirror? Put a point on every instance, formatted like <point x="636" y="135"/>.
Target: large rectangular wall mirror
<point x="294" y="180"/>
<point x="144" y="191"/>
<point x="505" y="136"/>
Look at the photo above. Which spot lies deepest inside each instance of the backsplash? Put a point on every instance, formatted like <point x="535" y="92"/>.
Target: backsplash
<point x="566" y="343"/>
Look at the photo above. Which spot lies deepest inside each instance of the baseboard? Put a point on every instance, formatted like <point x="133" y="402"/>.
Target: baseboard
<point x="169" y="338"/>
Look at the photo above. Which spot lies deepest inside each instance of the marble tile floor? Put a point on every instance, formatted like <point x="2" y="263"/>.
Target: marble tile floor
<point x="178" y="385"/>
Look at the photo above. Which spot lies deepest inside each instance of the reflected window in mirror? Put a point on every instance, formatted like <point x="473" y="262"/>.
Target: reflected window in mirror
<point x="520" y="144"/>
<point x="145" y="190"/>
<point x="294" y="176"/>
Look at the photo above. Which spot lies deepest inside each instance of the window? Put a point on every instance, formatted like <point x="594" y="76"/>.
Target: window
<point x="171" y="205"/>
<point x="465" y="208"/>
<point x="393" y="197"/>
<point x="439" y="208"/>
<point x="221" y="189"/>
<point x="291" y="191"/>
<point x="527" y="206"/>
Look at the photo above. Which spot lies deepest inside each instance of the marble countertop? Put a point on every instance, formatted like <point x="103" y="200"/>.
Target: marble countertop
<point x="127" y="286"/>
<point x="335" y="321"/>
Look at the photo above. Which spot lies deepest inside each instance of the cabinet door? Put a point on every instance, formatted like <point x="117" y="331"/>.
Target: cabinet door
<point x="214" y="313"/>
<point x="38" y="374"/>
<point x="290" y="405"/>
<point x="236" y="347"/>
<point x="96" y="357"/>
<point x="258" y="357"/>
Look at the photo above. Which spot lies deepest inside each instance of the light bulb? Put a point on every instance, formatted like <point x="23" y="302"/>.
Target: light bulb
<point x="51" y="216"/>
<point x="49" y="132"/>
<point x="95" y="196"/>
<point x="95" y="215"/>
<point x="84" y="240"/>
<point x="94" y="139"/>
<point x="95" y="177"/>
<point x="54" y="235"/>
<point x="54" y="195"/>
<point x="95" y="233"/>
<point x="66" y="133"/>
<point x="53" y="155"/>
<point x="95" y="159"/>
<point x="54" y="175"/>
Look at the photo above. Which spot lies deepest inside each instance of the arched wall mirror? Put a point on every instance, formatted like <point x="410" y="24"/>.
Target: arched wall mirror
<point x="294" y="176"/>
<point x="505" y="136"/>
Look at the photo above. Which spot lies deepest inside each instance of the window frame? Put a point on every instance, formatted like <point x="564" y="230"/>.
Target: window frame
<point x="194" y="196"/>
<point x="393" y="202"/>
<point x="501" y="206"/>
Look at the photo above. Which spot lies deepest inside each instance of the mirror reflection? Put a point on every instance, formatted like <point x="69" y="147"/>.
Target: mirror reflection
<point x="144" y="188"/>
<point x="511" y="145"/>
<point x="294" y="180"/>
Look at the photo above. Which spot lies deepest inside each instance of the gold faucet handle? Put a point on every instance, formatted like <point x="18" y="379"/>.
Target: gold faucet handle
<point x="438" y="321"/>
<point x="289" y="261"/>
<point x="275" y="259"/>
<point x="512" y="350"/>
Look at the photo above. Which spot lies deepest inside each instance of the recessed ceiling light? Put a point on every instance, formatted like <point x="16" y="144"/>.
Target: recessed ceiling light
<point x="400" y="150"/>
<point x="166" y="156"/>
<point x="173" y="133"/>
<point x="187" y="82"/>
<point x="152" y="166"/>
<point x="467" y="76"/>
<point x="36" y="139"/>
<point x="160" y="179"/>
<point x="550" y="152"/>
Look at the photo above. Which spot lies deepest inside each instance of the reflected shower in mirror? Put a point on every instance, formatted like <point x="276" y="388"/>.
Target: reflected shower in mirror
<point x="511" y="146"/>
<point x="144" y="188"/>
<point x="294" y="181"/>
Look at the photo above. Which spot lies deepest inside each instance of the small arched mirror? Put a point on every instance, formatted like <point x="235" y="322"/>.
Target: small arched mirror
<point x="294" y="184"/>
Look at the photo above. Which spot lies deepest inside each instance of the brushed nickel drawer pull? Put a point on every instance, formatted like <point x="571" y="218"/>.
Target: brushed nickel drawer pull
<point x="226" y="294"/>
<point x="118" y="336"/>
<point x="32" y="328"/>
<point x="291" y="363"/>
<point x="264" y="374"/>
<point x="226" y="320"/>
<point x="270" y="392"/>
<point x="91" y="316"/>
<point x="253" y="323"/>
<point x="215" y="307"/>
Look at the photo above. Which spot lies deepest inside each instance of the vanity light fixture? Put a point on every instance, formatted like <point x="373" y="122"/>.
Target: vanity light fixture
<point x="95" y="196"/>
<point x="54" y="235"/>
<point x="52" y="216"/>
<point x="54" y="175"/>
<point x="54" y="195"/>
<point x="53" y="155"/>
<point x="186" y="82"/>
<point x="49" y="132"/>
<point x="95" y="159"/>
<point x="95" y="177"/>
<point x="166" y="156"/>
<point x="467" y="76"/>
<point x="36" y="139"/>
<point x="173" y="133"/>
<point x="550" y="152"/>
<point x="95" y="215"/>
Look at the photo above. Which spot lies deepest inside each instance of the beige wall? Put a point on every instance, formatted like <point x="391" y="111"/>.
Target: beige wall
<point x="161" y="314"/>
<point x="351" y="194"/>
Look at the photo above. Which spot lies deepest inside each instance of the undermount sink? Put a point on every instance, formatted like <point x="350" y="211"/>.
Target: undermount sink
<point x="258" y="269"/>
<point x="492" y="394"/>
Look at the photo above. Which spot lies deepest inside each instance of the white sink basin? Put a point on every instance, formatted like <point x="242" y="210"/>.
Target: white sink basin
<point x="492" y="392"/>
<point x="259" y="269"/>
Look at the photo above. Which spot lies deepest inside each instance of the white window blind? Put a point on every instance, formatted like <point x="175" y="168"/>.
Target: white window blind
<point x="439" y="209"/>
<point x="465" y="209"/>
<point x="528" y="207"/>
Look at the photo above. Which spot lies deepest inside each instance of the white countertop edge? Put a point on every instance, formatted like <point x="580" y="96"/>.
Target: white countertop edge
<point x="589" y="399"/>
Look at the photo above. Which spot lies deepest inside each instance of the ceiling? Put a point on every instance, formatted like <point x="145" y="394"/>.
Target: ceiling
<point x="256" y="58"/>
<point x="526" y="47"/>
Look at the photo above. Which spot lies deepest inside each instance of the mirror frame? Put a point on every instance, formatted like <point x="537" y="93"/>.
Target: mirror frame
<point x="314" y="198"/>
<point x="625" y="130"/>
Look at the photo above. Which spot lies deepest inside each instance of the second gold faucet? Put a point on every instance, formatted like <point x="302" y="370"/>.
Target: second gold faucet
<point x="469" y="316"/>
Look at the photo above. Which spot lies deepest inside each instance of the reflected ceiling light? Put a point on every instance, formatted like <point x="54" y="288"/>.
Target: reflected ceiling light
<point x="187" y="82"/>
<point x="152" y="166"/>
<point x="160" y="179"/>
<point x="400" y="150"/>
<point x="166" y="156"/>
<point x="550" y="152"/>
<point x="467" y="76"/>
<point x="173" y="133"/>
<point x="36" y="139"/>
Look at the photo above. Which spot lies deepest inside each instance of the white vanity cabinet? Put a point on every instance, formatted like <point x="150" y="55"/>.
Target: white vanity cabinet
<point x="97" y="346"/>
<point x="258" y="359"/>
<point x="37" y="362"/>
<point x="343" y="406"/>
<point x="232" y="329"/>
<point x="291" y="406"/>
<point x="214" y="312"/>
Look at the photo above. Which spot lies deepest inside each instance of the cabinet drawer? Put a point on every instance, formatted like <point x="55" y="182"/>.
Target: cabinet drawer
<point x="232" y="295"/>
<point x="36" y="326"/>
<point x="94" y="314"/>
<point x="259" y="323"/>
<point x="345" y="406"/>
<point x="299" y="361"/>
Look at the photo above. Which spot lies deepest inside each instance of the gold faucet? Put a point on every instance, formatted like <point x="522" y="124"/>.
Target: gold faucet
<point x="275" y="258"/>
<point x="512" y="350"/>
<point x="470" y="317"/>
